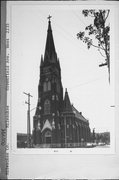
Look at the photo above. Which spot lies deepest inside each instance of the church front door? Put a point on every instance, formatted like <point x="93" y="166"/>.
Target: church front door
<point x="48" y="140"/>
<point x="48" y="137"/>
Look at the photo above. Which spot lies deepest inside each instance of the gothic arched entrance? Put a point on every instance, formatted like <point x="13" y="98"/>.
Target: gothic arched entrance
<point x="47" y="137"/>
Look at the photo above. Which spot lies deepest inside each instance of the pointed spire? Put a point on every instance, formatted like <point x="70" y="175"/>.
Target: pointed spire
<point x="58" y="62"/>
<point x="67" y="104"/>
<point x="50" y="53"/>
<point x="49" y="23"/>
<point x="41" y="63"/>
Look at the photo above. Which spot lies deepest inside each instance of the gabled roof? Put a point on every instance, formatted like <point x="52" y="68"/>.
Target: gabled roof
<point x="46" y="125"/>
<point x="78" y="114"/>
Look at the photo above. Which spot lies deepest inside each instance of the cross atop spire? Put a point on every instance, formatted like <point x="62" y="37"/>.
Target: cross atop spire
<point x="50" y="53"/>
<point x="49" y="17"/>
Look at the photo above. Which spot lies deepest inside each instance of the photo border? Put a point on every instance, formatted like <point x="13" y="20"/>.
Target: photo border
<point x="112" y="159"/>
<point x="110" y="150"/>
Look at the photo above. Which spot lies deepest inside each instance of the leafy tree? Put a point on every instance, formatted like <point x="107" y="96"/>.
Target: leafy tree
<point x="98" y="34"/>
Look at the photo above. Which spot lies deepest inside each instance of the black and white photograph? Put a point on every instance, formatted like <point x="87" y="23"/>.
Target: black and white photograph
<point x="61" y="78"/>
<point x="59" y="90"/>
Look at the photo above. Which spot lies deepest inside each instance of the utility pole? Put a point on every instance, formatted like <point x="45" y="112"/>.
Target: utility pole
<point x="28" y="120"/>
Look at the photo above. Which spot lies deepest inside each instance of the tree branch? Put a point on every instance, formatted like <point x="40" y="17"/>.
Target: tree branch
<point x="97" y="47"/>
<point x="101" y="53"/>
<point x="107" y="15"/>
<point x="101" y="44"/>
<point x="103" y="47"/>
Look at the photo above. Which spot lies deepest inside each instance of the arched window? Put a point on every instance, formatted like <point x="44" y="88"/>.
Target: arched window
<point x="49" y="85"/>
<point x="48" y="134"/>
<point x="45" y="86"/>
<point x="47" y="107"/>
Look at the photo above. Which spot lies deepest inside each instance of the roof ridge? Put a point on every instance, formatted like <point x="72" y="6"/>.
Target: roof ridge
<point x="79" y="113"/>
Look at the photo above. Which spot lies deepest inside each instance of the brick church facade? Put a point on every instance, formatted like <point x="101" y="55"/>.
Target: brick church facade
<point x="56" y="120"/>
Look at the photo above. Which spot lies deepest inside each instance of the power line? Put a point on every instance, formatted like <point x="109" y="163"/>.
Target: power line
<point x="85" y="83"/>
<point x="68" y="36"/>
<point x="78" y="17"/>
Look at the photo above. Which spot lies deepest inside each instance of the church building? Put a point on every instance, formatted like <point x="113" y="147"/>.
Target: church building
<point x="56" y="123"/>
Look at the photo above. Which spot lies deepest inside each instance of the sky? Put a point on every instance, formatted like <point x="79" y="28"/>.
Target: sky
<point x="86" y="82"/>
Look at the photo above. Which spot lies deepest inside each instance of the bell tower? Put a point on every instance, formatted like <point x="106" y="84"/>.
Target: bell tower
<point x="46" y="121"/>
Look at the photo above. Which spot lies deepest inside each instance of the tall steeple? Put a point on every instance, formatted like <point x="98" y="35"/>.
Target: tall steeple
<point x="50" y="53"/>
<point x="55" y="121"/>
